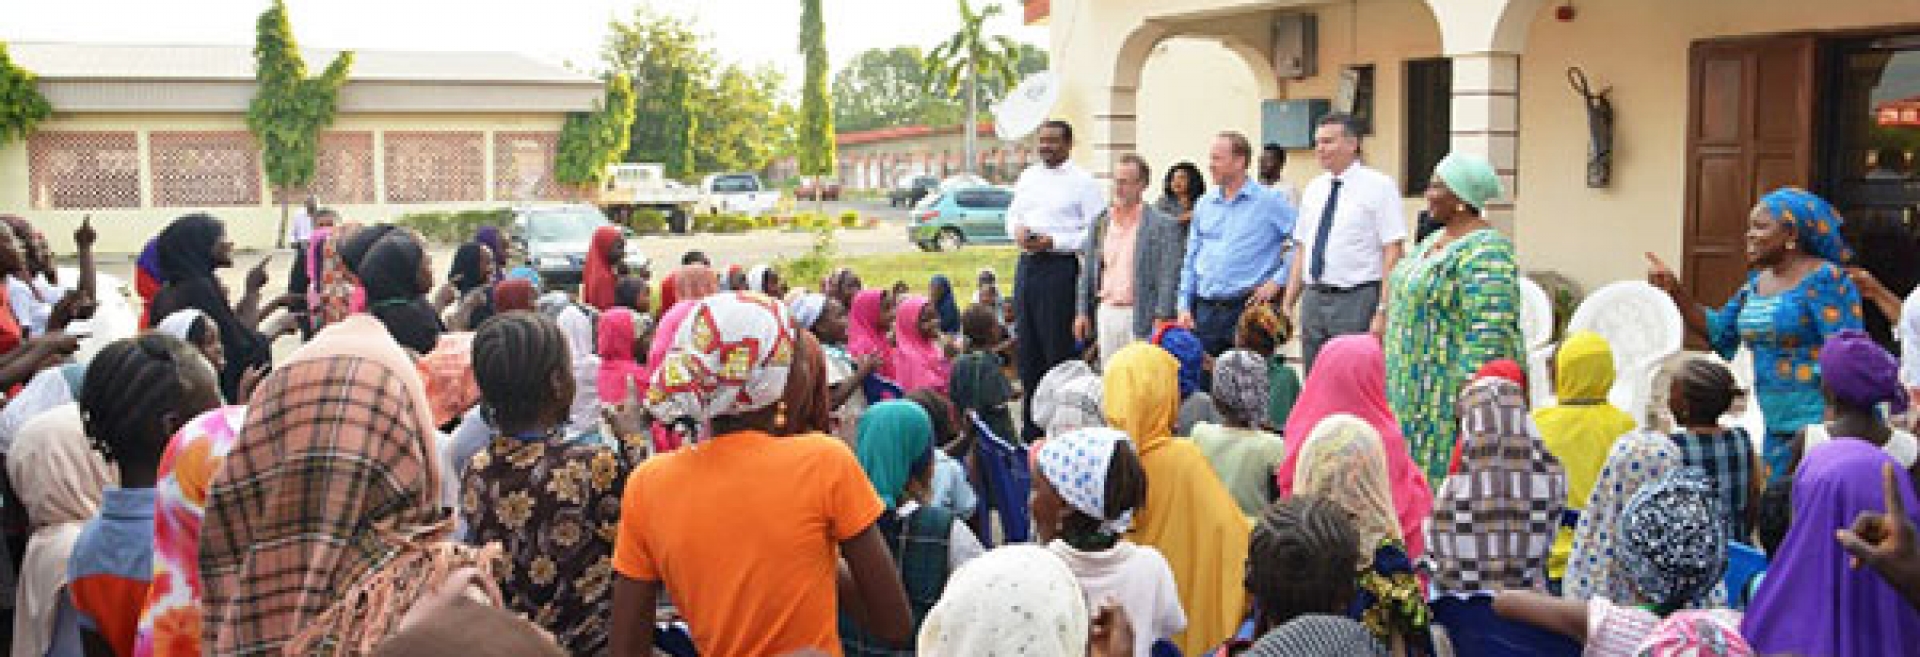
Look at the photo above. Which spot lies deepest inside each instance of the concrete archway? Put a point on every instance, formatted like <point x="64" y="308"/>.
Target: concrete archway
<point x="1117" y="130"/>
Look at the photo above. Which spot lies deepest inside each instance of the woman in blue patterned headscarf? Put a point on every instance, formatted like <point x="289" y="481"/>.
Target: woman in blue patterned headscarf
<point x="1795" y="297"/>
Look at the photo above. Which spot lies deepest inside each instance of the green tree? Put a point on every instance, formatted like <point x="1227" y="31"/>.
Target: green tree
<point x="592" y="140"/>
<point x="886" y="87"/>
<point x="969" y="59"/>
<point x="740" y="117"/>
<point x="815" y="137"/>
<point x="21" y="105"/>
<point x="667" y="63"/>
<point x="289" y="109"/>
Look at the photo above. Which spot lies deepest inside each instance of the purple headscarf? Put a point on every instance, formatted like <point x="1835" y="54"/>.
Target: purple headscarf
<point x="1812" y="602"/>
<point x="496" y="242"/>
<point x="1859" y="373"/>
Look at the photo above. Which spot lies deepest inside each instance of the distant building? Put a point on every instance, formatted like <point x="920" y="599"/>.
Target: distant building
<point x="142" y="134"/>
<point x="876" y="159"/>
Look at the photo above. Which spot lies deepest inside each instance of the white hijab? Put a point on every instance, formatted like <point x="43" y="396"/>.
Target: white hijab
<point x="578" y="327"/>
<point x="59" y="478"/>
<point x="1016" y="600"/>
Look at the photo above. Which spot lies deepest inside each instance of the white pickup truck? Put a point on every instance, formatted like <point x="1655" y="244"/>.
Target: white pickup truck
<point x="736" y="193"/>
<point x="631" y="187"/>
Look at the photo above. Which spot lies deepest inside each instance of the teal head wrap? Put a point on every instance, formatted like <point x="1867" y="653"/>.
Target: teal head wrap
<point x="1471" y="178"/>
<point x="896" y="439"/>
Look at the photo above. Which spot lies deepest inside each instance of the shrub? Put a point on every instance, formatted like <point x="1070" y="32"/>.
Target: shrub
<point x="648" y="220"/>
<point x="814" y="264"/>
<point x="850" y="219"/>
<point x="454" y="227"/>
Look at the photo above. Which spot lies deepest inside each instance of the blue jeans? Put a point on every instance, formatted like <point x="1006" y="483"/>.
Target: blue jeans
<point x="1215" y="322"/>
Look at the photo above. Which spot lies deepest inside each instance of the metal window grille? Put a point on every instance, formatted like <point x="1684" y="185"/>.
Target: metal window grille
<point x="434" y="167"/>
<point x="83" y="170"/>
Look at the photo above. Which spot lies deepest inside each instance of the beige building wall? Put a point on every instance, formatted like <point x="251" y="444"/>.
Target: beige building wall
<point x="1637" y="47"/>
<point x="126" y="230"/>
<point x="1199" y="89"/>
<point x="1640" y="48"/>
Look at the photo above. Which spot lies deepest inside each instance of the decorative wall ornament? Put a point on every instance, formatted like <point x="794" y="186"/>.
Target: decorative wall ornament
<point x="1599" y="128"/>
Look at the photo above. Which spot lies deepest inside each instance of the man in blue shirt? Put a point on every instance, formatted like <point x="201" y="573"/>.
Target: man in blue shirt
<point x="1237" y="250"/>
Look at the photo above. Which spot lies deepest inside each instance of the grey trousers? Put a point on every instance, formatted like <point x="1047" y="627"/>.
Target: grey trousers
<point x="1327" y="315"/>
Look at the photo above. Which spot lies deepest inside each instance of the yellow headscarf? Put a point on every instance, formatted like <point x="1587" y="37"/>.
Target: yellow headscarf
<point x="1189" y="516"/>
<point x="1583" y="427"/>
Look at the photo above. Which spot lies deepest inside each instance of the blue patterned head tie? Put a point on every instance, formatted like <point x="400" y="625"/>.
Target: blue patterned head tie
<point x="1815" y="223"/>
<point x="1076" y="463"/>
<point x="1671" y="547"/>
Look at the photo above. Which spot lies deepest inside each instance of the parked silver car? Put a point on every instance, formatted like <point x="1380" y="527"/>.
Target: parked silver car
<point x="555" y="239"/>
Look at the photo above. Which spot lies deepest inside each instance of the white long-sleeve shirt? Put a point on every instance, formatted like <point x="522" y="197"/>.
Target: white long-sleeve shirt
<point x="1058" y="202"/>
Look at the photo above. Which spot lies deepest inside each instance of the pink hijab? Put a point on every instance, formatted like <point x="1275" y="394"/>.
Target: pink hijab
<point x="620" y="376"/>
<point x="918" y="363"/>
<point x="1350" y="376"/>
<point x="865" y="335"/>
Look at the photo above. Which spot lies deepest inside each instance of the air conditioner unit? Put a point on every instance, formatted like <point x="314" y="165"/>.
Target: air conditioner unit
<point x="1296" y="44"/>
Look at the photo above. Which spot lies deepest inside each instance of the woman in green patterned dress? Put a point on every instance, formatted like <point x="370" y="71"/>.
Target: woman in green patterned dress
<point x="1453" y="305"/>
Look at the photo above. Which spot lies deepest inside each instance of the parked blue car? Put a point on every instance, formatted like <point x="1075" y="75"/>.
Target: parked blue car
<point x="949" y="219"/>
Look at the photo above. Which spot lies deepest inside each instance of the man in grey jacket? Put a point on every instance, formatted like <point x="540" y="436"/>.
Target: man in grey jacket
<point x="1130" y="266"/>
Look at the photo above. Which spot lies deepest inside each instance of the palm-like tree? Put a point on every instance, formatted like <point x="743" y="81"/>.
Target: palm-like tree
<point x="968" y="58"/>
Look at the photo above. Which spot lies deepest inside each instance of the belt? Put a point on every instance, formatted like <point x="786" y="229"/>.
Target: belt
<point x="1335" y="289"/>
<point x="1229" y="301"/>
<point x="1049" y="255"/>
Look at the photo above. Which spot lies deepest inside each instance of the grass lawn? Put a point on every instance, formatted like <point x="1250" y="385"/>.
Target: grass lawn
<point x="917" y="268"/>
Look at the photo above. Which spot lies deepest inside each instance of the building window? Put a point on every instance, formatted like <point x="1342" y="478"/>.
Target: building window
<point x="434" y="167"/>
<point x="83" y="170"/>
<point x="1429" y="119"/>
<point x="523" y="167"/>
<point x="204" y="169"/>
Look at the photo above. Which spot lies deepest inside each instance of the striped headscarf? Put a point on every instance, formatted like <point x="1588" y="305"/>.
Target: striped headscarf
<point x="1494" y="522"/>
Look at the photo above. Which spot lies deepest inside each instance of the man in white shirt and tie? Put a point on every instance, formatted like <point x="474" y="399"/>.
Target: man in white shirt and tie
<point x="1349" y="237"/>
<point x="1054" y="203"/>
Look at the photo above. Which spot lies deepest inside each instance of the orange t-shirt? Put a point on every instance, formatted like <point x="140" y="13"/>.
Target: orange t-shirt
<point x="743" y="530"/>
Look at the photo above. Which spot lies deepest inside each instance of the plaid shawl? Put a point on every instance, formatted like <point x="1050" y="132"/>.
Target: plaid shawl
<point x="334" y="459"/>
<point x="1494" y="523"/>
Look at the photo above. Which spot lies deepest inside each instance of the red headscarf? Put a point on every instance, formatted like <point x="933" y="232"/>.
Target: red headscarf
<point x="1350" y="377"/>
<point x="513" y="294"/>
<point x="597" y="280"/>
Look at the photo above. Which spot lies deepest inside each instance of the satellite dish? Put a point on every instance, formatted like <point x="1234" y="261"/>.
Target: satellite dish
<point x="1026" y="107"/>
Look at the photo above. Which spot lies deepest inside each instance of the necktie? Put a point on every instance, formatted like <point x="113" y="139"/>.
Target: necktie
<point x="1319" y="262"/>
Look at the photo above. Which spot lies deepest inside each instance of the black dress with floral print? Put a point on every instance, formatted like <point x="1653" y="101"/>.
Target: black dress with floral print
<point x="553" y="506"/>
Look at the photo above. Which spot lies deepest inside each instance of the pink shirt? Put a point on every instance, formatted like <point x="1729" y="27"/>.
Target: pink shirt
<point x="1116" y="256"/>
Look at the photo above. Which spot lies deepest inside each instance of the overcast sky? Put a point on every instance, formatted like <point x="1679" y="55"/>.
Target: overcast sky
<point x="746" y="31"/>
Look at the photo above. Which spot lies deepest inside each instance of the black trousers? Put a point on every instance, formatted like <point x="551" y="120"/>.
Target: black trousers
<point x="1044" y="289"/>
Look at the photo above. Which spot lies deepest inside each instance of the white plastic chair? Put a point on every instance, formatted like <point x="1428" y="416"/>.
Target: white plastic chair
<point x="1642" y="325"/>
<point x="1536" y="337"/>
